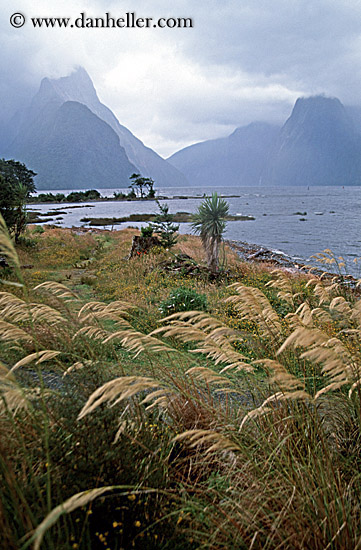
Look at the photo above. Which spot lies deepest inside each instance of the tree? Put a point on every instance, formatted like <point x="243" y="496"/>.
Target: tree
<point x="164" y="227"/>
<point x="16" y="184"/>
<point x="139" y="184"/>
<point x="210" y="223"/>
<point x="149" y="183"/>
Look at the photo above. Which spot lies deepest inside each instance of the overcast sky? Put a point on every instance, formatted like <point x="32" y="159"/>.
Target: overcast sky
<point x="243" y="60"/>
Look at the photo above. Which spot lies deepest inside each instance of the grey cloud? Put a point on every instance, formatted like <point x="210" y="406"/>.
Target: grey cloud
<point x="242" y="61"/>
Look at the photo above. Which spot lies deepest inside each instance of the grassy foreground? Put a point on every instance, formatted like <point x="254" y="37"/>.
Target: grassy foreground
<point x="237" y="426"/>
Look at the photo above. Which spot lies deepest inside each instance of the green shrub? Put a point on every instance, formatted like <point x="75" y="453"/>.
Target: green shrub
<point x="146" y="231"/>
<point x="39" y="229"/>
<point x="183" y="299"/>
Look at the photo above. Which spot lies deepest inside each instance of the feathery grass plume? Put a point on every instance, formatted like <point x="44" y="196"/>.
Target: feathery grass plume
<point x="283" y="283"/>
<point x="341" y="306"/>
<point x="201" y="321"/>
<point x="38" y="357"/>
<point x="42" y="313"/>
<point x="301" y="318"/>
<point x="322" y="316"/>
<point x="95" y="333"/>
<point x="115" y="311"/>
<point x="254" y="306"/>
<point x="354" y="386"/>
<point x="13" y="308"/>
<point x="16" y="310"/>
<point x="6" y="246"/>
<point x="76" y="501"/>
<point x="124" y="426"/>
<point x="208" y="376"/>
<point x="324" y="292"/>
<point x="77" y="366"/>
<point x="137" y="342"/>
<point x="13" y="334"/>
<point x="4" y="372"/>
<point x="356" y="313"/>
<point x="160" y="398"/>
<point x="117" y="390"/>
<point x="213" y="441"/>
<point x="304" y="337"/>
<point x="285" y="381"/>
<point x="214" y="337"/>
<point x="14" y="398"/>
<point x="327" y="257"/>
<point x="57" y="289"/>
<point x="340" y="366"/>
<point x="275" y="399"/>
<point x="290" y="388"/>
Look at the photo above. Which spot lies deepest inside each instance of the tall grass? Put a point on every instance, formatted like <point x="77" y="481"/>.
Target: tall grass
<point x="233" y="428"/>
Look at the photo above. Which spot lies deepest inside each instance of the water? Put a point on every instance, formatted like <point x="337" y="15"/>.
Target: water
<point x="298" y="221"/>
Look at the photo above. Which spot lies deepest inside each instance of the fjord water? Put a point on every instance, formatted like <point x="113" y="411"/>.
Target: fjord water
<point x="298" y="221"/>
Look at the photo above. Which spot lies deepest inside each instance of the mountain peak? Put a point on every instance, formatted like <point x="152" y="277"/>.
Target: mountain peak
<point x="77" y="86"/>
<point x="40" y="116"/>
<point x="237" y="159"/>
<point x="318" y="145"/>
<point x="321" y="110"/>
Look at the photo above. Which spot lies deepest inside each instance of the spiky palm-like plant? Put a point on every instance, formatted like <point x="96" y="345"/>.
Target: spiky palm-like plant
<point x="210" y="223"/>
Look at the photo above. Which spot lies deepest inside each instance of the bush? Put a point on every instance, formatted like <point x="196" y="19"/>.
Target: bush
<point x="183" y="299"/>
<point x="146" y="231"/>
<point x="164" y="227"/>
<point x="39" y="229"/>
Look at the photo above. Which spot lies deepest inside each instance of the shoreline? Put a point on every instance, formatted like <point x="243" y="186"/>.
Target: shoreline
<point x="260" y="254"/>
<point x="250" y="253"/>
<point x="125" y="199"/>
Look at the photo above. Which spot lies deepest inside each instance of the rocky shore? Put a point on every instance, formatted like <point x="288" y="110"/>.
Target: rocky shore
<point x="257" y="253"/>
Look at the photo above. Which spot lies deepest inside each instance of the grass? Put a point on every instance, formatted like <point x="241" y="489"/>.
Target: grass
<point x="235" y="427"/>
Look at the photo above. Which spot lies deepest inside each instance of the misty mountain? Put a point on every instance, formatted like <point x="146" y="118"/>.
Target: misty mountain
<point x="32" y="129"/>
<point x="318" y="145"/>
<point x="73" y="148"/>
<point x="354" y="112"/>
<point x="238" y="159"/>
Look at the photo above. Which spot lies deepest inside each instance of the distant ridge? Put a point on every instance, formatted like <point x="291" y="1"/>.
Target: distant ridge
<point x="234" y="160"/>
<point x="29" y="129"/>
<point x="106" y="166"/>
<point x="318" y="145"/>
<point x="72" y="141"/>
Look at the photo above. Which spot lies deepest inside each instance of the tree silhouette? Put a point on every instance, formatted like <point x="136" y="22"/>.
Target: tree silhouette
<point x="139" y="184"/>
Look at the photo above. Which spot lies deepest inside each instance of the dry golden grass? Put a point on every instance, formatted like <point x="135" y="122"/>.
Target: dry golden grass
<point x="192" y="245"/>
<point x="251" y="467"/>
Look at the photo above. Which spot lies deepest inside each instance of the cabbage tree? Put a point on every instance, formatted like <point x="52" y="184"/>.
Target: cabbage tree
<point x="210" y="223"/>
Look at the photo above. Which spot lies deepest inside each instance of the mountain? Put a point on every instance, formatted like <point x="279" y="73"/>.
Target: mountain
<point x="318" y="145"/>
<point x="75" y="149"/>
<point x="238" y="159"/>
<point x="354" y="112"/>
<point x="28" y="131"/>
